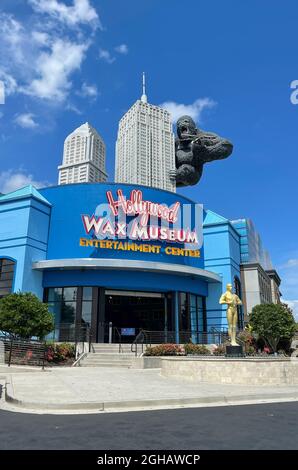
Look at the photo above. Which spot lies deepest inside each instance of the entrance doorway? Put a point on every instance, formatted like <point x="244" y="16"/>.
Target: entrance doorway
<point x="131" y="311"/>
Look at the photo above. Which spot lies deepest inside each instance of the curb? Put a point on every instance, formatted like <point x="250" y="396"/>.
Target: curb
<point x="143" y="404"/>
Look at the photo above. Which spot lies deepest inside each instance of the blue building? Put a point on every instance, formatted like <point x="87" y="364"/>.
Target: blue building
<point x="260" y="282"/>
<point x="133" y="256"/>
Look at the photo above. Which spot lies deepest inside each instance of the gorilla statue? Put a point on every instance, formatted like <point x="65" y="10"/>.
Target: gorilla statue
<point x="193" y="148"/>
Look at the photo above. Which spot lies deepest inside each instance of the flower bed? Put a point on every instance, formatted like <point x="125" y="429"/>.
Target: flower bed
<point x="60" y="354"/>
<point x="165" y="350"/>
<point x="196" y="349"/>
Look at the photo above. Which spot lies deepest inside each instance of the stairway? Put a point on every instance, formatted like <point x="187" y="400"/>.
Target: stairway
<point x="107" y="355"/>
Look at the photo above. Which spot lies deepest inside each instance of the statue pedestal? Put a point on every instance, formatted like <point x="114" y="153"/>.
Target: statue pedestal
<point x="234" y="351"/>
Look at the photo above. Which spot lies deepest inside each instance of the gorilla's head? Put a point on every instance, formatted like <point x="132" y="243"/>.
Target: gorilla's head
<point x="211" y="146"/>
<point x="186" y="127"/>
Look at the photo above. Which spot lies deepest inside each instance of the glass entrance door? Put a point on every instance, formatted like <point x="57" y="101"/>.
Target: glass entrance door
<point x="131" y="311"/>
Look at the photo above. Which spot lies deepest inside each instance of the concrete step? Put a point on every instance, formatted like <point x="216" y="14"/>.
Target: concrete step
<point x="112" y="364"/>
<point x="110" y="359"/>
<point x="116" y="351"/>
<point x="94" y="361"/>
<point x="107" y="358"/>
<point x="111" y="345"/>
<point x="106" y="364"/>
<point x="106" y="347"/>
<point x="112" y="355"/>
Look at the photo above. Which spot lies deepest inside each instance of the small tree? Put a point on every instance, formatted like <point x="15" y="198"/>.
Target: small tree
<point x="24" y="315"/>
<point x="273" y="322"/>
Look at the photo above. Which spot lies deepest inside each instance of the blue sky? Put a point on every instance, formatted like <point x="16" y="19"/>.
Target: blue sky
<point x="228" y="63"/>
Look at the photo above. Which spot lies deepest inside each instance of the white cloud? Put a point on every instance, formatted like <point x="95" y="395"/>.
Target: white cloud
<point x="90" y="91"/>
<point x="80" y="12"/>
<point x="54" y="69"/>
<point x="2" y="92"/>
<point x="11" y="28"/>
<point x="41" y="61"/>
<point x="194" y="110"/>
<point x="293" y="304"/>
<point x="15" y="179"/>
<point x="122" y="49"/>
<point x="105" y="55"/>
<point x="41" y="38"/>
<point x="71" y="107"/>
<point x="13" y="39"/>
<point x="26" y="121"/>
<point x="291" y="263"/>
<point x="9" y="83"/>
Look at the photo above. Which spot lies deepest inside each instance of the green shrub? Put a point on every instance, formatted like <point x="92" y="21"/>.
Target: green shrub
<point x="246" y="337"/>
<point x="248" y="341"/>
<point x="165" y="350"/>
<point x="59" y="352"/>
<point x="220" y="350"/>
<point x="23" y="315"/>
<point x="196" y="349"/>
<point x="273" y="323"/>
<point x="250" y="350"/>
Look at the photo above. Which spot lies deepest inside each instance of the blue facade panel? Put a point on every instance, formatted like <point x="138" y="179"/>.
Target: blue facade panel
<point x="222" y="256"/>
<point x="125" y="280"/>
<point x="24" y="225"/>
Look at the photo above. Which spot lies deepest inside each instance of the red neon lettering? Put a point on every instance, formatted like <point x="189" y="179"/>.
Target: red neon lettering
<point x="135" y="205"/>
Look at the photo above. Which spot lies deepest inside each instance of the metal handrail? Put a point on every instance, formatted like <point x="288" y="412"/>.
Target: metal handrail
<point x="140" y="336"/>
<point x="79" y="359"/>
<point x="199" y="337"/>
<point x="120" y="338"/>
<point x="221" y="331"/>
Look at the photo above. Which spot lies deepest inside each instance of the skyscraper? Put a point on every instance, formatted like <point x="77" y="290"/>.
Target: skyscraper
<point x="145" y="147"/>
<point x="83" y="157"/>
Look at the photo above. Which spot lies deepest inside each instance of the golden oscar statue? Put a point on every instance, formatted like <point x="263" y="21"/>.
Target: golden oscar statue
<point x="232" y="301"/>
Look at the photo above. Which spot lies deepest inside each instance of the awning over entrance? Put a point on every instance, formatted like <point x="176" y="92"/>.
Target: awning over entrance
<point x="126" y="265"/>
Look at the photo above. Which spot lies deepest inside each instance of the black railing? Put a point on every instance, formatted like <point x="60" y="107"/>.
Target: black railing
<point x="219" y="332"/>
<point x="112" y="334"/>
<point x="23" y="351"/>
<point x="141" y="339"/>
<point x="72" y="333"/>
<point x="197" y="337"/>
<point x="117" y="335"/>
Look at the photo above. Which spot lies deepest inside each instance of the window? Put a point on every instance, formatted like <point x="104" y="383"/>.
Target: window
<point x="192" y="317"/>
<point x="7" y="269"/>
<point x="62" y="304"/>
<point x="184" y="312"/>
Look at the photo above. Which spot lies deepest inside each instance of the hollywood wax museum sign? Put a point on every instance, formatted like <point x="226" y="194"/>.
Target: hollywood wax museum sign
<point x="138" y="220"/>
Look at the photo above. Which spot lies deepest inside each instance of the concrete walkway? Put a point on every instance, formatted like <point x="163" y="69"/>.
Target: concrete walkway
<point x="91" y="389"/>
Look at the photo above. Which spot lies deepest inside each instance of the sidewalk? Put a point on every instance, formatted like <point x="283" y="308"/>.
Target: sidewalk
<point x="102" y="389"/>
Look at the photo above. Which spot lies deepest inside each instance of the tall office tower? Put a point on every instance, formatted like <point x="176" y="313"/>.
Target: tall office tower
<point x="84" y="157"/>
<point x="145" y="147"/>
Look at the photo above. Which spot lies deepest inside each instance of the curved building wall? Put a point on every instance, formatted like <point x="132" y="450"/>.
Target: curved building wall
<point x="74" y="238"/>
<point x="68" y="237"/>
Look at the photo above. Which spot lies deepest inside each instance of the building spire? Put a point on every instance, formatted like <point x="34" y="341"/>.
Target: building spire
<point x="144" y="96"/>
